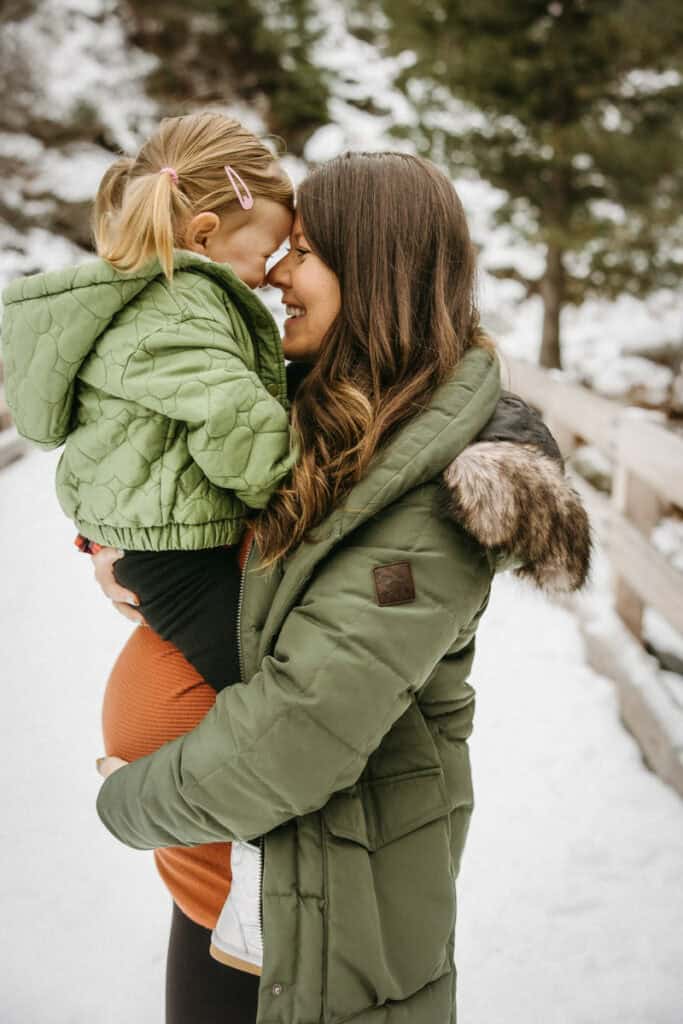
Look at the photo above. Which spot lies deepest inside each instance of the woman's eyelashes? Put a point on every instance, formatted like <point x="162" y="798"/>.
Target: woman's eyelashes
<point x="298" y="250"/>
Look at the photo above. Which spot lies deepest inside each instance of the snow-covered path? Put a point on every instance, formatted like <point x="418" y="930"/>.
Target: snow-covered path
<point x="571" y="893"/>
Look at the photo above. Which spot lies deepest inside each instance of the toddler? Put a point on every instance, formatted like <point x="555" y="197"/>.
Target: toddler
<point x="162" y="375"/>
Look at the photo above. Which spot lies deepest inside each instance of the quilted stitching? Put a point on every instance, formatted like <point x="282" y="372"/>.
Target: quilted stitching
<point x="170" y="399"/>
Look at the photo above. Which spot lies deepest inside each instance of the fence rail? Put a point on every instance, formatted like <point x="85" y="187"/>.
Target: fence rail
<point x="647" y="460"/>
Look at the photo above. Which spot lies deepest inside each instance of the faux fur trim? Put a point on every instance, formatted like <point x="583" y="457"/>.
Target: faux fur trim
<point x="515" y="500"/>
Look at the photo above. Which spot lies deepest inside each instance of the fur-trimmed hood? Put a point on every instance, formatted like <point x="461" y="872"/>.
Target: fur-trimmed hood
<point x="509" y="491"/>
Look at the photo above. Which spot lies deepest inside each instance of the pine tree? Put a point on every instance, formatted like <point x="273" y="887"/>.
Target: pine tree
<point x="259" y="50"/>
<point x="272" y="43"/>
<point x="576" y="112"/>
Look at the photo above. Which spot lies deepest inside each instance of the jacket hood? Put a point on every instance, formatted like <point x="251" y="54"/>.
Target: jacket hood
<point x="515" y="500"/>
<point x="50" y="324"/>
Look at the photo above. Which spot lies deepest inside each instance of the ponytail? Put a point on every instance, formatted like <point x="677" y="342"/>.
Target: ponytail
<point x="162" y="221"/>
<point x="143" y="226"/>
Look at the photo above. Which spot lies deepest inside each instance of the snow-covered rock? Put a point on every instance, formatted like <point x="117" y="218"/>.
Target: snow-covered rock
<point x="79" y="66"/>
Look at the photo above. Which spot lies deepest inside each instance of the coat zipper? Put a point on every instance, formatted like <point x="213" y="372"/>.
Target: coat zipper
<point x="243" y="577"/>
<point x="260" y="890"/>
<point x="323" y="850"/>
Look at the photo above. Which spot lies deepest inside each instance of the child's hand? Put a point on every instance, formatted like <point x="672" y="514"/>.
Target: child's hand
<point x="125" y="601"/>
<point x="107" y="765"/>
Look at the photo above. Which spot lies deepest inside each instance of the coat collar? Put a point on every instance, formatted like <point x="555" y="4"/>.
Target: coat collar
<point x="418" y="453"/>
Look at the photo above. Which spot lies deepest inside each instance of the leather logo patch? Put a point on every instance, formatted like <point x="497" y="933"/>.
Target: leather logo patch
<point x="394" y="583"/>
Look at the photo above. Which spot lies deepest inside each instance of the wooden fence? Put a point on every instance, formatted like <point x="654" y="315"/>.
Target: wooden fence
<point x="647" y="460"/>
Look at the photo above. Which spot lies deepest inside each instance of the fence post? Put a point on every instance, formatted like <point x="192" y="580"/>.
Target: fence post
<point x="637" y="502"/>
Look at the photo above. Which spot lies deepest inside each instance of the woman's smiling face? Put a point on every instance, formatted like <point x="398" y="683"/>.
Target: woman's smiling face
<point x="311" y="294"/>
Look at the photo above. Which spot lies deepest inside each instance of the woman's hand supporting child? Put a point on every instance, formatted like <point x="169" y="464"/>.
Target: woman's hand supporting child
<point x="125" y="601"/>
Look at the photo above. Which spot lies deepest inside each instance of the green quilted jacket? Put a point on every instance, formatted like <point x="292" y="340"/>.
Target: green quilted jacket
<point x="345" y="748"/>
<point x="169" y="399"/>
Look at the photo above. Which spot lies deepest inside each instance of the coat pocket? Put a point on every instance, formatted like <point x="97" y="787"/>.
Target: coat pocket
<point x="389" y="891"/>
<point x="376" y="813"/>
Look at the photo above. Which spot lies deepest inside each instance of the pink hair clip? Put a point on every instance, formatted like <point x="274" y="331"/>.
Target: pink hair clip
<point x="246" y="201"/>
<point x="172" y="171"/>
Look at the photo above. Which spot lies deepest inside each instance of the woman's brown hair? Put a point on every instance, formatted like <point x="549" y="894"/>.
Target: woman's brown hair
<point x="393" y="230"/>
<point x="139" y="211"/>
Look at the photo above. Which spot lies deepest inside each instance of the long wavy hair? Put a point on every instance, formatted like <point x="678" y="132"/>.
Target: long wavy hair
<point x="139" y="212"/>
<point x="393" y="230"/>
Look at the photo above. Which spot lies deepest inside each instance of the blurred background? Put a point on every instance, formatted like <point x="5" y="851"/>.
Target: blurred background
<point x="561" y="124"/>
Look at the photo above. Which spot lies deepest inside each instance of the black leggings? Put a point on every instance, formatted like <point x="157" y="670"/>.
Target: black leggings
<point x="199" y="990"/>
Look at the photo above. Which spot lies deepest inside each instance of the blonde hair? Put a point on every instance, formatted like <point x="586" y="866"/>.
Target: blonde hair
<point x="139" y="211"/>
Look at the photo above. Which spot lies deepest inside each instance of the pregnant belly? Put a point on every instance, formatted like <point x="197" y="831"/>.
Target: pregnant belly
<point x="154" y="695"/>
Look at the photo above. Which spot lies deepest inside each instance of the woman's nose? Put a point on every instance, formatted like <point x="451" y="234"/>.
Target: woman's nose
<point x="277" y="276"/>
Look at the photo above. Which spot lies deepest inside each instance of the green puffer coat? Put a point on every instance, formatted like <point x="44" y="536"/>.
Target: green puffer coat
<point x="170" y="399"/>
<point x="347" y="747"/>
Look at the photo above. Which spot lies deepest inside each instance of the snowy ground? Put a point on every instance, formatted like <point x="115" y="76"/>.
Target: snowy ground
<point x="571" y="889"/>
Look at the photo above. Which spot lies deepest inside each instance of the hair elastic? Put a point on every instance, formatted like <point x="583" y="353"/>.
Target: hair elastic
<point x="172" y="172"/>
<point x="246" y="201"/>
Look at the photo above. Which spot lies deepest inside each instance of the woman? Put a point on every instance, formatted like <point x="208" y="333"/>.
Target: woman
<point x="343" y="755"/>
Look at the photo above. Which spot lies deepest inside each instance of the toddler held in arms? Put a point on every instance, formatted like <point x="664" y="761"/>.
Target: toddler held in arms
<point x="162" y="374"/>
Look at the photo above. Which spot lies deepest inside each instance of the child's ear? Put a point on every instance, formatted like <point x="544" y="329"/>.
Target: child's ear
<point x="200" y="230"/>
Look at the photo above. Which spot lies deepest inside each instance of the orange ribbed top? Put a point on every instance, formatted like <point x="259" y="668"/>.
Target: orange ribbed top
<point x="154" y="695"/>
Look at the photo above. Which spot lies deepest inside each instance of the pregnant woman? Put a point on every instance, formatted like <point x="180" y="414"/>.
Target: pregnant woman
<point x="339" y="765"/>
